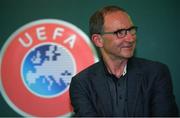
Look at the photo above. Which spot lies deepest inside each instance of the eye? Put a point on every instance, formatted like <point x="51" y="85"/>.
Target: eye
<point x="133" y="30"/>
<point x="121" y="32"/>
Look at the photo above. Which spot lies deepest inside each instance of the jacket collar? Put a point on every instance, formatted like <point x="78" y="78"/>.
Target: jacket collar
<point x="102" y="90"/>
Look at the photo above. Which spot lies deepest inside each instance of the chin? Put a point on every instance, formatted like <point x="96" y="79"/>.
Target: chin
<point x="127" y="56"/>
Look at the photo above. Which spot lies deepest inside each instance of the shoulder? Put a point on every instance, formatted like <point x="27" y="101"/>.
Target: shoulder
<point x="84" y="78"/>
<point x="153" y="73"/>
<point x="92" y="69"/>
<point x="147" y="64"/>
<point x="150" y="68"/>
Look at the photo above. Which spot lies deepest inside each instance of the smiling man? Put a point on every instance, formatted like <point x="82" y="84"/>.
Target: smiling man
<point x="121" y="84"/>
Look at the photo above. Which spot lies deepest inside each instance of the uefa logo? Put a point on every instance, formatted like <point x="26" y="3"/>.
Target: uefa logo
<point x="37" y="64"/>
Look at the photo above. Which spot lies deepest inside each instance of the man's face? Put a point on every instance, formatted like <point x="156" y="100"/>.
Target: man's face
<point x="114" y="46"/>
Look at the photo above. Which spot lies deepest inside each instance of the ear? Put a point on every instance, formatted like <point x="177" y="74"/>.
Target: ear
<point x="97" y="40"/>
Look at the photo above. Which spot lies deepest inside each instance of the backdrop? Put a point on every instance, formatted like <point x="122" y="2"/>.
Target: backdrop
<point x="157" y="21"/>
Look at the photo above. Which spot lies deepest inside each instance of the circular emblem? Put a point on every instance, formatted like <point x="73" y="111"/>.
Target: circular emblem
<point x="37" y="64"/>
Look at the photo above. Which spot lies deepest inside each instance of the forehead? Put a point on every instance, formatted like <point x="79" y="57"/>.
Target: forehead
<point x="117" y="20"/>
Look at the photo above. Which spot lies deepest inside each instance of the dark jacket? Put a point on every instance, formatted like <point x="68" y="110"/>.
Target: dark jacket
<point x="149" y="90"/>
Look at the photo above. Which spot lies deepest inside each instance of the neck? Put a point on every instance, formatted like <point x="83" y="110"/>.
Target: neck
<point x="115" y="66"/>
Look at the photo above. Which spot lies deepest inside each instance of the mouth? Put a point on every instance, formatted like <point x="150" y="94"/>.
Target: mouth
<point x="128" y="46"/>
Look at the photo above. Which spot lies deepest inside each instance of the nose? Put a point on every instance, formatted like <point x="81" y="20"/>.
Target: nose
<point x="130" y="37"/>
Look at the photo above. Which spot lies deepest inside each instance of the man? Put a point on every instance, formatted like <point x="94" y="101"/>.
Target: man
<point x="120" y="84"/>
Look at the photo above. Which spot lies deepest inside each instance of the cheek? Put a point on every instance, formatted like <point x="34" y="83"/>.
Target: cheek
<point x="118" y="43"/>
<point x="111" y="44"/>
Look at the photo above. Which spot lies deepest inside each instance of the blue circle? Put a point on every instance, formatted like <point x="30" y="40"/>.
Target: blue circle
<point x="47" y="70"/>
